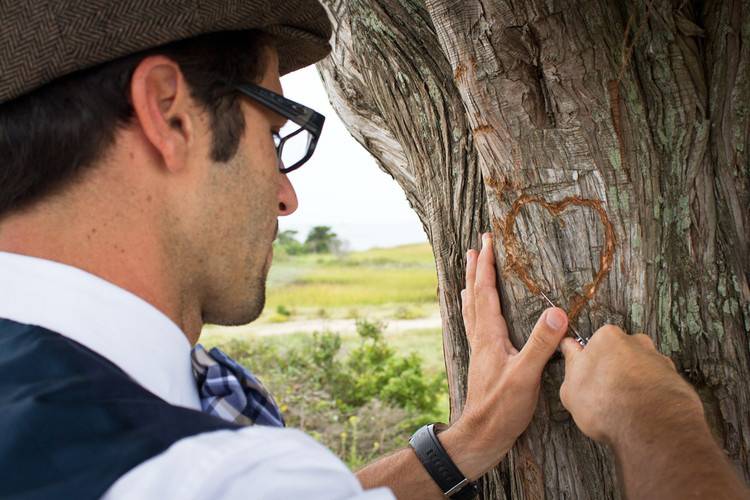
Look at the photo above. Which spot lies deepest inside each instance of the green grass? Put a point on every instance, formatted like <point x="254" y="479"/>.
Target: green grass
<point x="418" y="254"/>
<point x="377" y="277"/>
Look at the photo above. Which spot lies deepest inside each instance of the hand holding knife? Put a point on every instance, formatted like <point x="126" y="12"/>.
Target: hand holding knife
<point x="581" y="340"/>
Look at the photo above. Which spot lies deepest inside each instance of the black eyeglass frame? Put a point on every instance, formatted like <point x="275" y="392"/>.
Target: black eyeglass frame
<point x="308" y="119"/>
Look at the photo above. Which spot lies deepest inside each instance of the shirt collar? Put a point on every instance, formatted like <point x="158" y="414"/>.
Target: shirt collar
<point x="116" y="324"/>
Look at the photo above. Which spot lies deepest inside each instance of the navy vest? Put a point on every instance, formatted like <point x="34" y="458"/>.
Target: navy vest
<point x="72" y="423"/>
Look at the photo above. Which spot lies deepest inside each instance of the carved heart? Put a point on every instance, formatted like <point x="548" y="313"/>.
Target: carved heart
<point x="517" y="259"/>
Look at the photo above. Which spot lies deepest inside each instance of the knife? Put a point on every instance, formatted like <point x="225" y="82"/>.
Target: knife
<point x="579" y="338"/>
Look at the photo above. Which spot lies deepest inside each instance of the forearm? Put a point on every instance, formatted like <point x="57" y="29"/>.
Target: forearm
<point x="405" y="475"/>
<point x="676" y="458"/>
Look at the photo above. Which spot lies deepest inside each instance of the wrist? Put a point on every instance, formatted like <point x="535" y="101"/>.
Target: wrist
<point x="471" y="455"/>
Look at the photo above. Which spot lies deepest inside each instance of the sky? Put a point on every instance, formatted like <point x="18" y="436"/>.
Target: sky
<point x="341" y="185"/>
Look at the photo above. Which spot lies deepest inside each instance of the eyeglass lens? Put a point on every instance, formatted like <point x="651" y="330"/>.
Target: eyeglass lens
<point x="296" y="144"/>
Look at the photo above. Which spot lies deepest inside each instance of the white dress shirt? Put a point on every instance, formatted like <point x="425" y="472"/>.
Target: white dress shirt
<point x="256" y="462"/>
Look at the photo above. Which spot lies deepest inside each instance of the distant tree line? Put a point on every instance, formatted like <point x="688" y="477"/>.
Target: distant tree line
<point x="320" y="239"/>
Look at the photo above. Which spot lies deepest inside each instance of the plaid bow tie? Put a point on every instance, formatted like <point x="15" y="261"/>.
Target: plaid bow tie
<point x="229" y="391"/>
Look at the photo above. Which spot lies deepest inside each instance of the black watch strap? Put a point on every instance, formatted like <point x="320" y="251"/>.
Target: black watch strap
<point x="440" y="466"/>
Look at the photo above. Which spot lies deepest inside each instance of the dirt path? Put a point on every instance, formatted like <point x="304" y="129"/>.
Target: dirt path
<point x="336" y="325"/>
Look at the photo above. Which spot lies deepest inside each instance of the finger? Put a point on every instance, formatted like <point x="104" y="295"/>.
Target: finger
<point x="488" y="317"/>
<point x="467" y="310"/>
<point x="570" y="348"/>
<point x="564" y="394"/>
<point x="485" y="271"/>
<point x="471" y="268"/>
<point x="549" y="330"/>
<point x="468" y="297"/>
<point x="486" y="278"/>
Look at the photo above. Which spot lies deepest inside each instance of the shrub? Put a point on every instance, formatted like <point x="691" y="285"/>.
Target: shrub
<point x="360" y="404"/>
<point x="282" y="310"/>
<point x="352" y="313"/>
<point x="405" y="312"/>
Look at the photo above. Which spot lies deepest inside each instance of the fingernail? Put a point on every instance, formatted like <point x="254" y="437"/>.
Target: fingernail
<point x="485" y="239"/>
<point x="468" y="256"/>
<point x="555" y="318"/>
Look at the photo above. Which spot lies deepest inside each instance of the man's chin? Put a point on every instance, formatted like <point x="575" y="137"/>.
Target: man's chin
<point x="243" y="313"/>
<point x="237" y="319"/>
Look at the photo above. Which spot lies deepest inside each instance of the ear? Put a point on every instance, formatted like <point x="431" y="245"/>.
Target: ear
<point x="164" y="109"/>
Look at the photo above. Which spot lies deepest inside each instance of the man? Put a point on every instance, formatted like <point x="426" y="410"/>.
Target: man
<point x="144" y="171"/>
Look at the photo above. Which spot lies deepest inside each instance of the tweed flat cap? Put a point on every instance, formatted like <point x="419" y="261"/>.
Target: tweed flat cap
<point x="41" y="40"/>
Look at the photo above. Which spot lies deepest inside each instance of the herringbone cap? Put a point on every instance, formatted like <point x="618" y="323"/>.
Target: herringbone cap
<point x="41" y="40"/>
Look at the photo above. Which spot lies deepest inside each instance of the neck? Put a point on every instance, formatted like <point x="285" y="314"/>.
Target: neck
<point x="118" y="242"/>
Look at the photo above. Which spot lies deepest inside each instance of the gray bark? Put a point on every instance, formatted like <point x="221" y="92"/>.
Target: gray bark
<point x="472" y="105"/>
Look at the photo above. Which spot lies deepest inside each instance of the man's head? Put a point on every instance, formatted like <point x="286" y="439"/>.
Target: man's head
<point x="214" y="176"/>
<point x="159" y="148"/>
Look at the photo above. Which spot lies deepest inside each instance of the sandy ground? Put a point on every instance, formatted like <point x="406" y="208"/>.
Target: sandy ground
<point x="336" y="325"/>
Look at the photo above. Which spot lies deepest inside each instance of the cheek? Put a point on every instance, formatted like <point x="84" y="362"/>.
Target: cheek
<point x="257" y="184"/>
<point x="259" y="202"/>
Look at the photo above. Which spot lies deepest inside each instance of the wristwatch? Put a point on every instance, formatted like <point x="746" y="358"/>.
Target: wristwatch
<point x="439" y="465"/>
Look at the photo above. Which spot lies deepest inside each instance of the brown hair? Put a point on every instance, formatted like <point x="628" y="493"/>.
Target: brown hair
<point x="50" y="136"/>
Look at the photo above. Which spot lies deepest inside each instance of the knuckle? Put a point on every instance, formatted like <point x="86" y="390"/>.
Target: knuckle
<point x="610" y="332"/>
<point x="669" y="362"/>
<point x="482" y="287"/>
<point x="485" y="296"/>
<point x="644" y="339"/>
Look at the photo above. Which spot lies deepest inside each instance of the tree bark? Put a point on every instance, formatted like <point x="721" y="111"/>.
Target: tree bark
<point x="476" y="107"/>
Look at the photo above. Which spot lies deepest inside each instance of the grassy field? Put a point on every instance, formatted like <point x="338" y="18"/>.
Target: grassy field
<point x="368" y="283"/>
<point x="378" y="284"/>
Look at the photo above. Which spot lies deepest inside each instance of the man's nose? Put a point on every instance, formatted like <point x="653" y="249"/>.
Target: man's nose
<point x="287" y="197"/>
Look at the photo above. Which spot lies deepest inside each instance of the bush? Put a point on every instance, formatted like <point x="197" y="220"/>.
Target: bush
<point x="286" y="242"/>
<point x="360" y="404"/>
<point x="352" y="313"/>
<point x="404" y="312"/>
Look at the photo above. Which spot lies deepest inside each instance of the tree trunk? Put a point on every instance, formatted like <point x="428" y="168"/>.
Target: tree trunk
<point x="637" y="118"/>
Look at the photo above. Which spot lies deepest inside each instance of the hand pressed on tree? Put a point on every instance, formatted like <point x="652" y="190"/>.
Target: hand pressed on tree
<point x="503" y="388"/>
<point x="503" y="383"/>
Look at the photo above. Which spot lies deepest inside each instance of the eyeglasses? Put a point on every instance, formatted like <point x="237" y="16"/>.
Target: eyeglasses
<point x="296" y="141"/>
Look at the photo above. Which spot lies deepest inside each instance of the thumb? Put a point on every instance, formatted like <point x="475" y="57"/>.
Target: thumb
<point x="544" y="339"/>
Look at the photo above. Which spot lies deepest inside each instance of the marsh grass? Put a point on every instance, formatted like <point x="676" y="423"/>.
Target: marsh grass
<point x="403" y="275"/>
